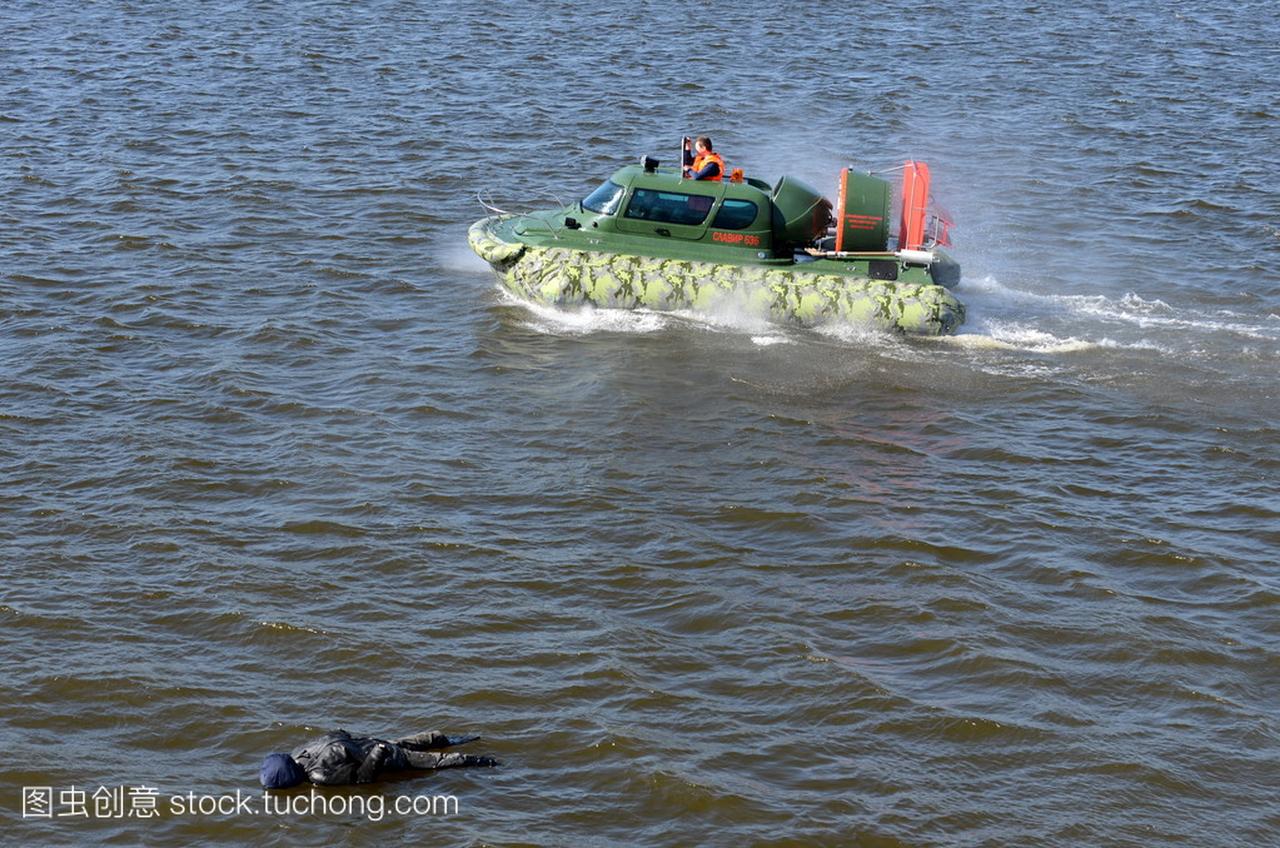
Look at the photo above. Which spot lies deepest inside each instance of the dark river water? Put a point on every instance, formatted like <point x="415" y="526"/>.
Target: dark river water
<point x="276" y="456"/>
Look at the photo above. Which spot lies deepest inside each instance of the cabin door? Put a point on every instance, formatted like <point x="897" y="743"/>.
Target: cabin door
<point x="667" y="214"/>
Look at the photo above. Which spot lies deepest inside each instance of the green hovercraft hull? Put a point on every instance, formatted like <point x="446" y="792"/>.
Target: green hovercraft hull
<point x="804" y="293"/>
<point x="651" y="238"/>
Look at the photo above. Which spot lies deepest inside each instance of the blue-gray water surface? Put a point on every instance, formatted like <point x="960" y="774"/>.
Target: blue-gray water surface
<point x="276" y="456"/>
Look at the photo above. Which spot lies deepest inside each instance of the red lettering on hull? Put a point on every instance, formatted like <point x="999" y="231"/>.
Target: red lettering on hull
<point x="862" y="222"/>
<point x="737" y="238"/>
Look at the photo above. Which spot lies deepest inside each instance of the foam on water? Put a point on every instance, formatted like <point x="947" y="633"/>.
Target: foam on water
<point x="1129" y="308"/>
<point x="580" y="320"/>
<point x="1013" y="337"/>
<point x="988" y="332"/>
<point x="455" y="256"/>
<point x="1066" y="323"/>
<point x="586" y="319"/>
<point x="860" y="335"/>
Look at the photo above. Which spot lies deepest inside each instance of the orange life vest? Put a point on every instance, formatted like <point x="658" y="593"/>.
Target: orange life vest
<point x="701" y="161"/>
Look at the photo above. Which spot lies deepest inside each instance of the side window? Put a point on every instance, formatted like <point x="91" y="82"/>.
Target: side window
<point x="735" y="215"/>
<point x="668" y="207"/>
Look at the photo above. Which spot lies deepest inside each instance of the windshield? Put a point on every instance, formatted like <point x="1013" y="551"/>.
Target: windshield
<point x="605" y="199"/>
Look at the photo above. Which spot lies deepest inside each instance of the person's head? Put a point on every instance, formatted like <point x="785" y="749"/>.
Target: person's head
<point x="703" y="144"/>
<point x="280" y="771"/>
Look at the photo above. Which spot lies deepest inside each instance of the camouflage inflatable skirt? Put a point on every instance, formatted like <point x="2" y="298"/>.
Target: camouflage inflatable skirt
<point x="559" y="276"/>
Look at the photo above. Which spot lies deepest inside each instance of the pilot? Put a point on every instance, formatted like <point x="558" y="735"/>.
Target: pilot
<point x="705" y="164"/>
<point x="339" y="758"/>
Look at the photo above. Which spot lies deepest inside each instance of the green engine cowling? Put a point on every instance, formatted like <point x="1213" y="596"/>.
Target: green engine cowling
<point x="800" y="215"/>
<point x="862" y="212"/>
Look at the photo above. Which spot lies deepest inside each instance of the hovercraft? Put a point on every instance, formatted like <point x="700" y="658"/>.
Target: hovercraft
<point x="649" y="237"/>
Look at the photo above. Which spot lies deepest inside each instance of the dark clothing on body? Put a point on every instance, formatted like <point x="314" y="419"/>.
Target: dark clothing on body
<point x="339" y="758"/>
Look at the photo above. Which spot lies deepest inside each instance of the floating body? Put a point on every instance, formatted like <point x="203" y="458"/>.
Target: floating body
<point x="650" y="238"/>
<point x="339" y="758"/>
